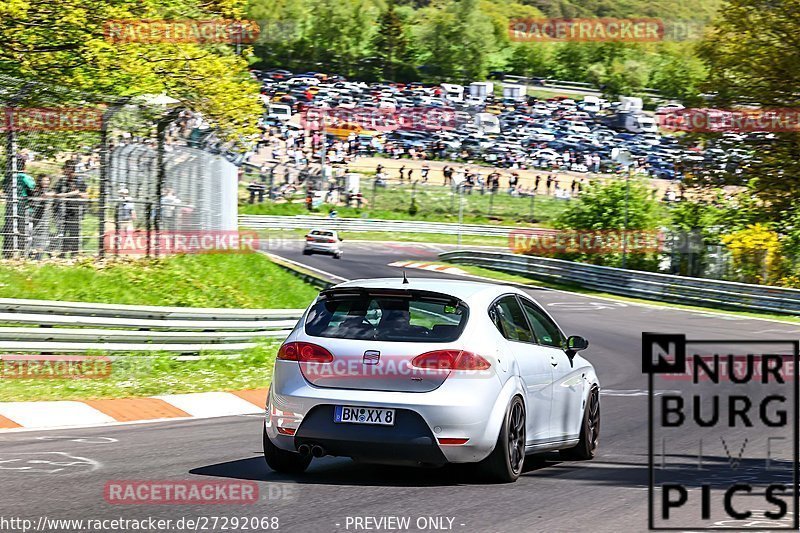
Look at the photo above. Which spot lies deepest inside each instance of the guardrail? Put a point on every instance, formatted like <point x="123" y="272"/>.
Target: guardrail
<point x="307" y="222"/>
<point x="646" y="285"/>
<point x="588" y="88"/>
<point x="79" y="327"/>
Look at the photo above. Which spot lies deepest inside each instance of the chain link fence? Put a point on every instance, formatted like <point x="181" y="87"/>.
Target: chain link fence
<point x="98" y="176"/>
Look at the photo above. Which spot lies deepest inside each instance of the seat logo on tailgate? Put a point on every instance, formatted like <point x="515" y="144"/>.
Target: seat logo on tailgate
<point x="371" y="357"/>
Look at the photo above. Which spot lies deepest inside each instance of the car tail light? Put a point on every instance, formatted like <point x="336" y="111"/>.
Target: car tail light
<point x="286" y="431"/>
<point x="304" y="352"/>
<point x="451" y="360"/>
<point x="309" y="238"/>
<point x="452" y="441"/>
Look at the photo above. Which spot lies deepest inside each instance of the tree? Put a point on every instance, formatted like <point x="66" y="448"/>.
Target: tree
<point x="757" y="254"/>
<point x="752" y="59"/>
<point x="456" y="39"/>
<point x="390" y="43"/>
<point x="530" y="60"/>
<point x="678" y="73"/>
<point x="63" y="44"/>
<point x="570" y="61"/>
<point x="600" y="208"/>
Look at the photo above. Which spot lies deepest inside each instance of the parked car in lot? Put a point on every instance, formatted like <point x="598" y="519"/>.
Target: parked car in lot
<point x="468" y="131"/>
<point x="429" y="372"/>
<point x="323" y="241"/>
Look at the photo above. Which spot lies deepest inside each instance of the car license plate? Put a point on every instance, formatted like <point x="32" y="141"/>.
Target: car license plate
<point x="363" y="415"/>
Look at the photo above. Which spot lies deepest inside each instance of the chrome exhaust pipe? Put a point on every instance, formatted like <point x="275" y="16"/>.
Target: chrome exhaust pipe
<point x="317" y="451"/>
<point x="305" y="450"/>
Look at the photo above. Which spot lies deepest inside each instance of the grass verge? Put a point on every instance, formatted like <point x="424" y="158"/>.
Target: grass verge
<point x="232" y="280"/>
<point x="139" y="374"/>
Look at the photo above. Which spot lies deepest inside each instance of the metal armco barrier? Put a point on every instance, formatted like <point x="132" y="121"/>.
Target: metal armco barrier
<point x="363" y="224"/>
<point x="78" y="327"/>
<point x="646" y="285"/>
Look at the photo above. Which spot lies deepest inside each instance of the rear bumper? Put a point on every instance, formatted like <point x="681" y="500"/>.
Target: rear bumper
<point x="408" y="441"/>
<point x="460" y="408"/>
<point x="323" y="248"/>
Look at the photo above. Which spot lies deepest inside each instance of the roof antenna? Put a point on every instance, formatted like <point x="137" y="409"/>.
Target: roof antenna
<point x="405" y="279"/>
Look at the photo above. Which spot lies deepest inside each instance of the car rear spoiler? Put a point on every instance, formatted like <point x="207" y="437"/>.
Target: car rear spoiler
<point x="345" y="292"/>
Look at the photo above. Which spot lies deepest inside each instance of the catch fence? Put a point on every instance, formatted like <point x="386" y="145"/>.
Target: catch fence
<point x="92" y="176"/>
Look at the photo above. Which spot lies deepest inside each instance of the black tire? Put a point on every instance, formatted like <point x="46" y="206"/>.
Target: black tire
<point x="283" y="461"/>
<point x="337" y="256"/>
<point x="590" y="431"/>
<point x="505" y="463"/>
<point x="306" y="252"/>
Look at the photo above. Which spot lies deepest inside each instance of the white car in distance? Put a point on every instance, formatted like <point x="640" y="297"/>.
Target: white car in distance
<point x="323" y="241"/>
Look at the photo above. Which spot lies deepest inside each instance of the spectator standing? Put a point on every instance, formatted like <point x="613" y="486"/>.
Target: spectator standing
<point x="126" y="211"/>
<point x="41" y="217"/>
<point x="447" y="172"/>
<point x="170" y="203"/>
<point x="71" y="191"/>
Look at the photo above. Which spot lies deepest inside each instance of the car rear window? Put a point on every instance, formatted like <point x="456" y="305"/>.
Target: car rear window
<point x="388" y="317"/>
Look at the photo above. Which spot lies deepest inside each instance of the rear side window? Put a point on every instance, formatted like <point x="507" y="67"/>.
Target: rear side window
<point x="509" y="319"/>
<point x="407" y="318"/>
<point x="545" y="330"/>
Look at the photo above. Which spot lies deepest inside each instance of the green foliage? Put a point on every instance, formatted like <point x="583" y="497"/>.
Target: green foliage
<point x="63" y="44"/>
<point x="756" y="252"/>
<point x="412" y="208"/>
<point x="752" y="59"/>
<point x="673" y="9"/>
<point x="602" y="207"/>
<point x="462" y="40"/>
<point x="392" y="48"/>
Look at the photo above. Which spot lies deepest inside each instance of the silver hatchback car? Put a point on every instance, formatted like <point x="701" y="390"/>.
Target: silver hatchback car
<point x="428" y="372"/>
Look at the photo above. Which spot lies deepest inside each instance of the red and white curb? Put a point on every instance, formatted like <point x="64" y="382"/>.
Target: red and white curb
<point x="436" y="267"/>
<point x="86" y="413"/>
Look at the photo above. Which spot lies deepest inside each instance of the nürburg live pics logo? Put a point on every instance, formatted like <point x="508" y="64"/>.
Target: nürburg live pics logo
<point x="723" y="433"/>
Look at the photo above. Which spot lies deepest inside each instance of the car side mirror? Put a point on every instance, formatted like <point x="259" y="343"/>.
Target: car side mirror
<point x="575" y="344"/>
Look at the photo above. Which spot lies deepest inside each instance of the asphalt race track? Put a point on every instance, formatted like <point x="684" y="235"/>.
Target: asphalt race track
<point x="63" y="473"/>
